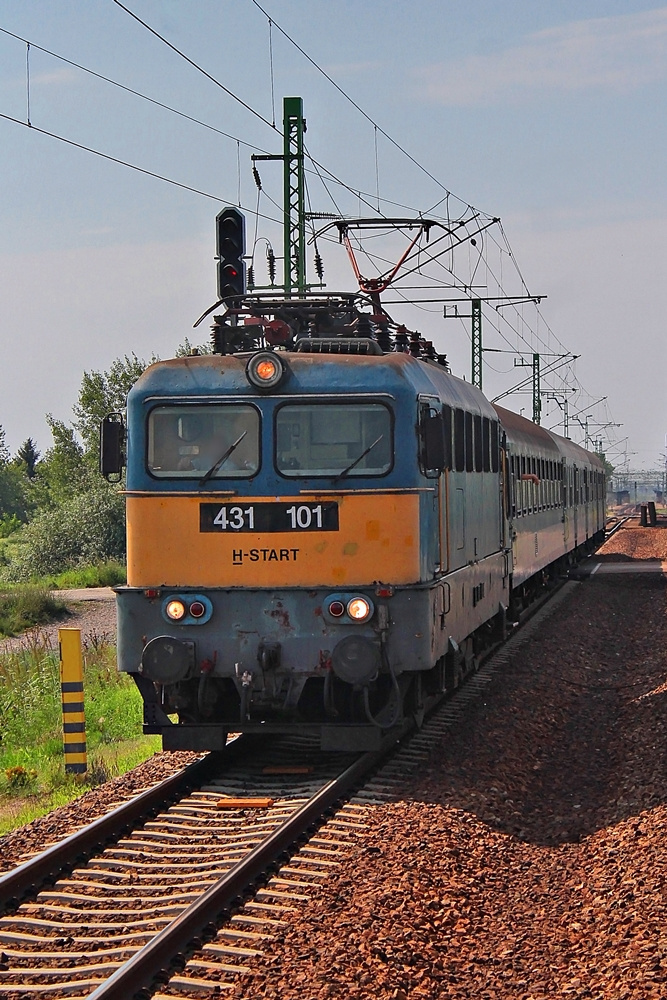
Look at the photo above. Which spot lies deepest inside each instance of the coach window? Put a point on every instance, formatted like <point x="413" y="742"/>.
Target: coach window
<point x="522" y="485"/>
<point x="469" y="442"/>
<point x="196" y="442"/>
<point x="459" y="441"/>
<point x="334" y="439"/>
<point x="477" y="437"/>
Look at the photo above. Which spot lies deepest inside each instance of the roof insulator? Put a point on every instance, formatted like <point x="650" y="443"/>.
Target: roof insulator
<point x="271" y="264"/>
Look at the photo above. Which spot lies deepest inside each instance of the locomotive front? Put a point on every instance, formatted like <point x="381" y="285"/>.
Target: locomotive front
<point x="271" y="518"/>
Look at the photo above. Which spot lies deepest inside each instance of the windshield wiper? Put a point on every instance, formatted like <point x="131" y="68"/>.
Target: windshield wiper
<point x="349" y="468"/>
<point x="223" y="458"/>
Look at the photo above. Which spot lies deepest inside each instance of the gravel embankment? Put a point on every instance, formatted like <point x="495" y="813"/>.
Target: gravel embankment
<point x="95" y="618"/>
<point x="529" y="860"/>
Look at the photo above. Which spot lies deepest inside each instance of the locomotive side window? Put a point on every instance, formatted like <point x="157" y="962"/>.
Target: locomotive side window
<point x="447" y="424"/>
<point x="494" y="447"/>
<point x="469" y="442"/>
<point x="459" y="441"/>
<point x="477" y="439"/>
<point x="333" y="439"/>
<point x="486" y="445"/>
<point x="193" y="442"/>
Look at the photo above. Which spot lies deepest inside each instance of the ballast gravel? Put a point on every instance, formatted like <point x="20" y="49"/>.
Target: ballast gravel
<point x="26" y="841"/>
<point x="529" y="859"/>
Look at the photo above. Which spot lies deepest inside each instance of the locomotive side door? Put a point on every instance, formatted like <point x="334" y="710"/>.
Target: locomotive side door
<point x="576" y="473"/>
<point x="434" y="461"/>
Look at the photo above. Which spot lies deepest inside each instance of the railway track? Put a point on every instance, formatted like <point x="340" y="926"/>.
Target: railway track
<point x="177" y="906"/>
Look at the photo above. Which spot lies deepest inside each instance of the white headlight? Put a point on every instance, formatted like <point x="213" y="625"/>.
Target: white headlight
<point x="359" y="609"/>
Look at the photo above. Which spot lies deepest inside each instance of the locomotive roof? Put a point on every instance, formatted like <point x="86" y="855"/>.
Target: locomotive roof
<point x="397" y="374"/>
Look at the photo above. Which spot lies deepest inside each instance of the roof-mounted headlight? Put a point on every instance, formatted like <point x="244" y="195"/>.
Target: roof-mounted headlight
<point x="265" y="371"/>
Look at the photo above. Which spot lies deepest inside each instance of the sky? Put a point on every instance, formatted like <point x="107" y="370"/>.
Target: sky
<point x="549" y="117"/>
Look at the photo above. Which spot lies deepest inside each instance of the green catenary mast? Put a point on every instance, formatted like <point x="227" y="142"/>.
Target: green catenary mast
<point x="294" y="126"/>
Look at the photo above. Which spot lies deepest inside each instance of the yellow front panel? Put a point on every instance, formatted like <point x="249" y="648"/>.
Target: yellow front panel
<point x="377" y="539"/>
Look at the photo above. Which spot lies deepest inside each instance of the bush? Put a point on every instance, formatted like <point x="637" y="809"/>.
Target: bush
<point x="8" y="525"/>
<point x="88" y="528"/>
<point x="27" y="606"/>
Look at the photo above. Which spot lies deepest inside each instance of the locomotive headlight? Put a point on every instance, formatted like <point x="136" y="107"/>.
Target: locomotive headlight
<point x="265" y="370"/>
<point x="359" y="609"/>
<point x="175" y="610"/>
<point x="336" y="609"/>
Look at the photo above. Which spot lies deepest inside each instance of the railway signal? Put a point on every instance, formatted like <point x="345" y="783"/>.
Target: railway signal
<point x="230" y="248"/>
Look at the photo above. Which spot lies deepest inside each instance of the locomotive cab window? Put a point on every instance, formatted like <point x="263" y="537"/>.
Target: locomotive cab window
<point x="334" y="439"/>
<point x="193" y="442"/>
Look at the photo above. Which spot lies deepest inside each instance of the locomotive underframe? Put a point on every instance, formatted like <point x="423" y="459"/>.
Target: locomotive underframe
<point x="244" y="676"/>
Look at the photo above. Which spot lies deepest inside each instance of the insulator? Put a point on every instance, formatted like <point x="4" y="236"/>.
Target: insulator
<point x="384" y="337"/>
<point x="219" y="335"/>
<point x="319" y="266"/>
<point x="271" y="263"/>
<point x="364" y="326"/>
<point x="251" y="276"/>
<point x="401" y="339"/>
<point x="258" y="179"/>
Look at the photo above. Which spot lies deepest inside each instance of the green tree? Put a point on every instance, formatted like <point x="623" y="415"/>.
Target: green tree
<point x="4" y="450"/>
<point x="186" y="348"/>
<point x="27" y="456"/>
<point x="12" y="486"/>
<point x="63" y="471"/>
<point x="102" y="393"/>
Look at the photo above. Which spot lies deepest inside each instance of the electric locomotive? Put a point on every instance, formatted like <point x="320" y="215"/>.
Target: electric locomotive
<point x="325" y="526"/>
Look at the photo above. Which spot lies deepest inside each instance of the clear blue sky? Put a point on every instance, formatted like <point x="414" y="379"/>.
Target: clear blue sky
<point x="550" y="118"/>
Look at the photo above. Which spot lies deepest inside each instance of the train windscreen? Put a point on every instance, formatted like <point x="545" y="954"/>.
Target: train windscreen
<point x="197" y="442"/>
<point x="334" y="439"/>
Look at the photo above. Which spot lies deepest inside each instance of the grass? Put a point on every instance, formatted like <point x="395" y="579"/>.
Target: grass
<point x="32" y="769"/>
<point x="24" y="606"/>
<point x="106" y="574"/>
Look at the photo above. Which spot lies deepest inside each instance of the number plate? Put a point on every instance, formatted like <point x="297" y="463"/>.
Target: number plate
<point x="261" y="517"/>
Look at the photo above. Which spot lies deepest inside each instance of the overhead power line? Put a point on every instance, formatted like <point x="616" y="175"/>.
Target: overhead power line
<point x="354" y="104"/>
<point x="129" y="90"/>
<point x="125" y="163"/>
<point x="196" y="66"/>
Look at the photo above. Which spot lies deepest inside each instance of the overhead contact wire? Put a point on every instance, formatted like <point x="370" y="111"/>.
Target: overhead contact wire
<point x="135" y="93"/>
<point x="125" y="163"/>
<point x="196" y="66"/>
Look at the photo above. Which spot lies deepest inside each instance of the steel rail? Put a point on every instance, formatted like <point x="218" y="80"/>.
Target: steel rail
<point x="27" y="878"/>
<point x="154" y="960"/>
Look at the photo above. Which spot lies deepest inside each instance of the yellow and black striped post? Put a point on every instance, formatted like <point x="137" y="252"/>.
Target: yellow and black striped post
<point x="71" y="686"/>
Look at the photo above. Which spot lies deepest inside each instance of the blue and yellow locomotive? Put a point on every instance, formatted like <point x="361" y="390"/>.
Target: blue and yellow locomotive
<point x="325" y="527"/>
